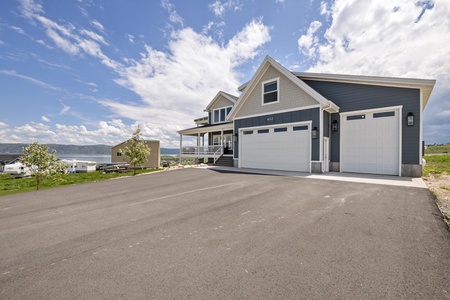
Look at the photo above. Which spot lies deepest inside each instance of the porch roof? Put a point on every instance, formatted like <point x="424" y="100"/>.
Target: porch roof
<point x="207" y="128"/>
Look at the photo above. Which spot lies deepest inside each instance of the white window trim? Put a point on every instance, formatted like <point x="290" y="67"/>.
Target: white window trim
<point x="226" y="115"/>
<point x="278" y="90"/>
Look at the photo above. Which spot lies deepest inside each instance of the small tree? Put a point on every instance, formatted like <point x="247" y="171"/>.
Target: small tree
<point x="42" y="164"/>
<point x="136" y="150"/>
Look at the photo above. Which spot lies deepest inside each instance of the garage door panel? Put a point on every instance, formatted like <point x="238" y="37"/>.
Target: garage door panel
<point x="286" y="150"/>
<point x="371" y="144"/>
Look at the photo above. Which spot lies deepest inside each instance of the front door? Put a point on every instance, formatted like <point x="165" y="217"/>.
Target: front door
<point x="228" y="141"/>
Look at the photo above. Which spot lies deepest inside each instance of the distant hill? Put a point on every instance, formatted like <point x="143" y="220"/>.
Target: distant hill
<point x="6" y="148"/>
<point x="170" y="151"/>
<point x="60" y="149"/>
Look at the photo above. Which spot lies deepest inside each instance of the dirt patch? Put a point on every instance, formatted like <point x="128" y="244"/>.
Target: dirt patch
<point x="440" y="186"/>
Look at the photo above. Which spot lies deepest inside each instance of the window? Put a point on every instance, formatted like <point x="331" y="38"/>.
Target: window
<point x="119" y="153"/>
<point x="297" y="128"/>
<point x="270" y="91"/>
<point x="384" y="114"/>
<point x="248" y="132"/>
<point x="220" y="114"/>
<point x="263" y="131"/>
<point x="282" y="129"/>
<point x="356" y="117"/>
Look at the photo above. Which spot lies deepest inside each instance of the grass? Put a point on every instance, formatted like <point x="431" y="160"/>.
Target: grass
<point x="436" y="174"/>
<point x="436" y="165"/>
<point x="442" y="149"/>
<point x="10" y="185"/>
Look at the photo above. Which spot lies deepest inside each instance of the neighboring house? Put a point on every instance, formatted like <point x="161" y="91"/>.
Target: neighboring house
<point x="153" y="159"/>
<point x="317" y="123"/>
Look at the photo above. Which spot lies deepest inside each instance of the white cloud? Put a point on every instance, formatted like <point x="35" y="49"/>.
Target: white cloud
<point x="30" y="79"/>
<point x="64" y="109"/>
<point x="94" y="36"/>
<point x="98" y="25"/>
<point x="130" y="37"/>
<point x="308" y="43"/>
<point x="65" y="37"/>
<point x="174" y="17"/>
<point x="45" y="119"/>
<point x="18" y="29"/>
<point x="176" y="86"/>
<point x="279" y="1"/>
<point x="88" y="83"/>
<point x="219" y="8"/>
<point x="400" y="38"/>
<point x="324" y="9"/>
<point x="41" y="42"/>
<point x="173" y="86"/>
<point x="108" y="133"/>
<point x="31" y="132"/>
<point x="2" y="42"/>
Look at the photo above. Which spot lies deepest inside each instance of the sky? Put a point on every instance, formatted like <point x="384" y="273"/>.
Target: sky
<point x="91" y="71"/>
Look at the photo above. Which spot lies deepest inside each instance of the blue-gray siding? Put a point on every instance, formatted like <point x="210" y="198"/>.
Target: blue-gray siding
<point x="352" y="97"/>
<point x="326" y="124"/>
<point x="282" y="118"/>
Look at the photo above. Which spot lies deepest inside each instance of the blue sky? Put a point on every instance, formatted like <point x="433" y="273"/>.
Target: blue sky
<point x="89" y="72"/>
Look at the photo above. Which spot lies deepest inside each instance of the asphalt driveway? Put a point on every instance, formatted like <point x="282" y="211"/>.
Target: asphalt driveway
<point x="202" y="234"/>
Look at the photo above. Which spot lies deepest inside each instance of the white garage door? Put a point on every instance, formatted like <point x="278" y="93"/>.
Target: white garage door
<point x="371" y="142"/>
<point x="279" y="148"/>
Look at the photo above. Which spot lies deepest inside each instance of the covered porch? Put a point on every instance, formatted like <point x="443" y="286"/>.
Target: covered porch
<point x="219" y="142"/>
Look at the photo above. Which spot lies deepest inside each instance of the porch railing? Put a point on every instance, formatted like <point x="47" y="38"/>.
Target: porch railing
<point x="218" y="154"/>
<point x="202" y="150"/>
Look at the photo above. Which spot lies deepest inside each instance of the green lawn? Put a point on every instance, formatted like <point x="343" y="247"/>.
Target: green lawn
<point x="436" y="164"/>
<point x="438" y="160"/>
<point x="9" y="185"/>
<point x="437" y="149"/>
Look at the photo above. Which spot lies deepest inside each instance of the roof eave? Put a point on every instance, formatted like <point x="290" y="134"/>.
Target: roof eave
<point x="425" y="85"/>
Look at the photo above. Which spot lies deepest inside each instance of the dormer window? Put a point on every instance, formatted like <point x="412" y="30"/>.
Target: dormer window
<point x="220" y="114"/>
<point x="270" y="91"/>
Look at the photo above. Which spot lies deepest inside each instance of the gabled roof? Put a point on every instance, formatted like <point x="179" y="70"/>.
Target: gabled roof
<point x="425" y="85"/>
<point x="227" y="96"/>
<point x="268" y="61"/>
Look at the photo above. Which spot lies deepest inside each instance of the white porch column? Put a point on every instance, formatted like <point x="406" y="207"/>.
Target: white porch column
<point x="198" y="145"/>
<point x="221" y="138"/>
<point x="181" y="146"/>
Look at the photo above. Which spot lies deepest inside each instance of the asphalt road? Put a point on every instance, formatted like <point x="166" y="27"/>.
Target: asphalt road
<point x="201" y="234"/>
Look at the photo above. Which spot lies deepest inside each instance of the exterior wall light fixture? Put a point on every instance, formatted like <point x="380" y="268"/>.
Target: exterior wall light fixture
<point x="235" y="138"/>
<point x="410" y="119"/>
<point x="314" y="133"/>
<point x="334" y="125"/>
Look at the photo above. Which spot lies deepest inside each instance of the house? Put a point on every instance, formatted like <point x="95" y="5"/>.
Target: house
<point x="153" y="159"/>
<point x="316" y="123"/>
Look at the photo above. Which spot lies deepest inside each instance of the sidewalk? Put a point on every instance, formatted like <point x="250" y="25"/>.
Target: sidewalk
<point x="347" y="177"/>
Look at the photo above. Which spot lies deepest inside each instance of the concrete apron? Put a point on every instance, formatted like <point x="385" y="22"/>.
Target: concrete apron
<point x="348" y="177"/>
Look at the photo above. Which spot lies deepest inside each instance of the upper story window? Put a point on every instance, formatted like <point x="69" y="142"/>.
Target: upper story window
<point x="270" y="90"/>
<point x="220" y="114"/>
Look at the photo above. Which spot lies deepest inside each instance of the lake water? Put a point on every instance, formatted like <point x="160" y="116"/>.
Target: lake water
<point x="98" y="158"/>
